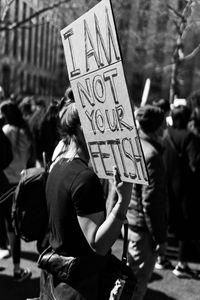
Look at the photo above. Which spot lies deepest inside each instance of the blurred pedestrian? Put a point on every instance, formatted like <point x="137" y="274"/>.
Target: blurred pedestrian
<point x="164" y="104"/>
<point x="163" y="261"/>
<point x="44" y="127"/>
<point x="147" y="212"/>
<point x="17" y="131"/>
<point x="27" y="107"/>
<point x="179" y="162"/>
<point x="2" y="94"/>
<point x="5" y="159"/>
<point x="194" y="104"/>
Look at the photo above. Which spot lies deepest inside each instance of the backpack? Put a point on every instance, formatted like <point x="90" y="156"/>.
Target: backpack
<point x="29" y="209"/>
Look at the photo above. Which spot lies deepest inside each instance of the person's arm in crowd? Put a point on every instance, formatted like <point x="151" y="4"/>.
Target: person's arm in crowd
<point x="192" y="148"/>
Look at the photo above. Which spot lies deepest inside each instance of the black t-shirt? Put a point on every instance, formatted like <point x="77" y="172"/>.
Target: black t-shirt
<point x="72" y="189"/>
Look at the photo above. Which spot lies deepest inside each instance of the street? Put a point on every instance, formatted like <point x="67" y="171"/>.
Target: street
<point x="163" y="286"/>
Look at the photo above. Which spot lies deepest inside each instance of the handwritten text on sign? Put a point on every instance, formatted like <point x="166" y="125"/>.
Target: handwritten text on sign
<point x="98" y="83"/>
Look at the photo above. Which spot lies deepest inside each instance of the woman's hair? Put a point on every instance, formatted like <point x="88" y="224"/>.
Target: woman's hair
<point x="13" y="116"/>
<point x="69" y="119"/>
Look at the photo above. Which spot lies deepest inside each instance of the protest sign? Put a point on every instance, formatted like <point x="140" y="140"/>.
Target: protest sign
<point x="97" y="79"/>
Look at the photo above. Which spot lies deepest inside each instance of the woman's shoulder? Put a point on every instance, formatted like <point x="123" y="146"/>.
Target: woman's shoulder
<point x="84" y="173"/>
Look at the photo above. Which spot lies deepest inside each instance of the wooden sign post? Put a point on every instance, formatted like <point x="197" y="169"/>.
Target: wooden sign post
<point x="97" y="79"/>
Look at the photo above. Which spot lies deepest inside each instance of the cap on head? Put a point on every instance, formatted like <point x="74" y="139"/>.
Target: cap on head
<point x="150" y="118"/>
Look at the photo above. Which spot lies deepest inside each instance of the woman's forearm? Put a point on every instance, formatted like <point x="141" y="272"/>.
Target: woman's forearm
<point x="110" y="229"/>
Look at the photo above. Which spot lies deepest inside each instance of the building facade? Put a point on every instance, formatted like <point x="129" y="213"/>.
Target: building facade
<point x="31" y="60"/>
<point x="32" y="56"/>
<point x="151" y="38"/>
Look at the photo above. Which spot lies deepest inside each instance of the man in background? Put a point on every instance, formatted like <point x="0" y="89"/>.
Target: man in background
<point x="147" y="212"/>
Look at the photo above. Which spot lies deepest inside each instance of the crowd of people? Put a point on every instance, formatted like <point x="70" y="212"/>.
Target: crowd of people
<point x="80" y="223"/>
<point x="169" y="204"/>
<point x="28" y="129"/>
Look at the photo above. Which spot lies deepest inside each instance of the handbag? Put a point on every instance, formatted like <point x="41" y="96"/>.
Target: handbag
<point x="125" y="282"/>
<point x="112" y="277"/>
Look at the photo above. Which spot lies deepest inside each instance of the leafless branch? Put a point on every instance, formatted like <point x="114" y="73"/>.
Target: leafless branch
<point x="177" y="26"/>
<point x="34" y="15"/>
<point x="192" y="54"/>
<point x="6" y="9"/>
<point x="176" y="13"/>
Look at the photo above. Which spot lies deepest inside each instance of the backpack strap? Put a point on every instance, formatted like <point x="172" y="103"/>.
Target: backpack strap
<point x="8" y="194"/>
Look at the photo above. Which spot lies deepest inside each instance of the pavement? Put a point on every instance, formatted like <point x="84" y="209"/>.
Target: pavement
<point x="163" y="285"/>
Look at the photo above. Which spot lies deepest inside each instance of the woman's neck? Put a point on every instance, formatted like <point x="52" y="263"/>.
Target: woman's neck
<point x="82" y="155"/>
<point x="73" y="152"/>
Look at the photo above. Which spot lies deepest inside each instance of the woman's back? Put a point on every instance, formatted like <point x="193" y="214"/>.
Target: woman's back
<point x="72" y="189"/>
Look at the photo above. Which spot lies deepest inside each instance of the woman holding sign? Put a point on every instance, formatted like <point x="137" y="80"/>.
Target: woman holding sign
<point x="78" y="225"/>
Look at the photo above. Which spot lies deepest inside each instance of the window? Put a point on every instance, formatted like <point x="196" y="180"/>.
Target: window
<point x="143" y="14"/>
<point x="51" y="48"/>
<point x="181" y="5"/>
<point x="55" y="53"/>
<point x="23" y="31"/>
<point x="7" y="36"/>
<point x="36" y="41"/>
<point x="41" y="42"/>
<point x="22" y="81"/>
<point x="30" y="34"/>
<point x="15" y="38"/>
<point x="46" y="46"/>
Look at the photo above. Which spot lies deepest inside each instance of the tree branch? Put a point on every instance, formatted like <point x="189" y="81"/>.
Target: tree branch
<point x="34" y="15"/>
<point x="192" y="54"/>
<point x="176" y="13"/>
<point x="7" y="7"/>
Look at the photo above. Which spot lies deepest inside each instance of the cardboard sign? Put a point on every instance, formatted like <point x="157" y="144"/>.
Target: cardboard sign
<point x="97" y="79"/>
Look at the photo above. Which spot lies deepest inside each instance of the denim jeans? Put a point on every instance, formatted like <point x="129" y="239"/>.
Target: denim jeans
<point x="142" y="259"/>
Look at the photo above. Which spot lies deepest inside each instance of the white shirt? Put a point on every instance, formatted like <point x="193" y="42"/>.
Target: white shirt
<point x="21" y="152"/>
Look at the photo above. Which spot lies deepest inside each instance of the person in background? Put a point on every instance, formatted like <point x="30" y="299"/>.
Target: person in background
<point x="5" y="159"/>
<point x="163" y="262"/>
<point x="147" y="212"/>
<point x="44" y="127"/>
<point x="49" y="135"/>
<point x="165" y="106"/>
<point x="77" y="210"/>
<point x="35" y="122"/>
<point x="27" y="107"/>
<point x="194" y="104"/>
<point x="2" y="94"/>
<point x="179" y="159"/>
<point x="17" y="131"/>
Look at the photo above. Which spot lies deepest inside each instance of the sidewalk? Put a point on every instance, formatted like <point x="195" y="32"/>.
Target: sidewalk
<point x="10" y="290"/>
<point x="163" y="286"/>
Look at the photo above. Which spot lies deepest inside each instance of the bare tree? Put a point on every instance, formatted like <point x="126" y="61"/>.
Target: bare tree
<point x="182" y="23"/>
<point x="7" y="25"/>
